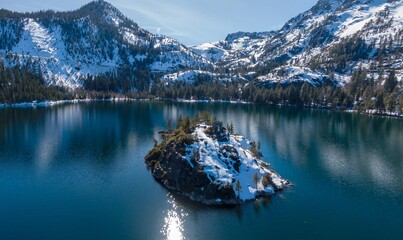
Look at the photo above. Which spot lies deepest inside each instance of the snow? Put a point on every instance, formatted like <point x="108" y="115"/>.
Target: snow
<point x="192" y="76"/>
<point x="294" y="74"/>
<point x="210" y="51"/>
<point x="343" y="19"/>
<point x="174" y="56"/>
<point x="40" y="37"/>
<point x="357" y="17"/>
<point x="204" y="46"/>
<point x="185" y="76"/>
<point x="176" y="62"/>
<point x="236" y="45"/>
<point x="40" y="104"/>
<point x="46" y="47"/>
<point x="62" y="64"/>
<point x="133" y="39"/>
<point x="218" y="167"/>
<point x="48" y="103"/>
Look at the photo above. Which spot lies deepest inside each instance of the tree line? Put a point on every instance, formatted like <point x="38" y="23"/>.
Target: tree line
<point x="21" y="85"/>
<point x="362" y="93"/>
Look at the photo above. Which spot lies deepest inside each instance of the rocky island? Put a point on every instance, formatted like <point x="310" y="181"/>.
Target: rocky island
<point x="206" y="162"/>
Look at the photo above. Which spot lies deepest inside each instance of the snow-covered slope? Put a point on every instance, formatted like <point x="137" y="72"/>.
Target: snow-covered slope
<point x="217" y="159"/>
<point x="189" y="76"/>
<point x="330" y="40"/>
<point x="322" y="45"/>
<point x="46" y="49"/>
<point x="68" y="47"/>
<point x="235" y="50"/>
<point x="199" y="76"/>
<point x="290" y="75"/>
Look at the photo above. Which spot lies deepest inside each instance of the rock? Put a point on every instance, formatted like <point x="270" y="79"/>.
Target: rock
<point x="206" y="164"/>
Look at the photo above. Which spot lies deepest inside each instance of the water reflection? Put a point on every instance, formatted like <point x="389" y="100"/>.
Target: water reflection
<point x="44" y="136"/>
<point x="348" y="147"/>
<point x="173" y="228"/>
<point x="92" y="155"/>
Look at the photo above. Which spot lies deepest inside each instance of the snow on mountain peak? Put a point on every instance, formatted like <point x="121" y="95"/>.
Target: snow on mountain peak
<point x="313" y="42"/>
<point x="71" y="47"/>
<point x="68" y="48"/>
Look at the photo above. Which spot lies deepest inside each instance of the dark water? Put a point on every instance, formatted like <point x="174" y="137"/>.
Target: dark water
<point x="77" y="172"/>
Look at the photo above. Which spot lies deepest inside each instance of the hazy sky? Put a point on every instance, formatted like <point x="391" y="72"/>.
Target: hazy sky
<point x="190" y="21"/>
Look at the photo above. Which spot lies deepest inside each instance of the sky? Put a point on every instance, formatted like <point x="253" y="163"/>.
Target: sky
<point x="189" y="21"/>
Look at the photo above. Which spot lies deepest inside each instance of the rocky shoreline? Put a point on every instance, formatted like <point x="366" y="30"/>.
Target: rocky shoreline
<point x="207" y="163"/>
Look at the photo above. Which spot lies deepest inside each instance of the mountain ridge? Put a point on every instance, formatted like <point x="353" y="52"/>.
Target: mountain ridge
<point x="321" y="46"/>
<point x="310" y="41"/>
<point x="71" y="47"/>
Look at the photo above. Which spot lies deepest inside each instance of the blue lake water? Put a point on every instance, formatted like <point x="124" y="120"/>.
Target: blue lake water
<point x="76" y="171"/>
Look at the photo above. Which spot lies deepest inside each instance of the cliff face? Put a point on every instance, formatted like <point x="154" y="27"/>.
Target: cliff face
<point x="210" y="165"/>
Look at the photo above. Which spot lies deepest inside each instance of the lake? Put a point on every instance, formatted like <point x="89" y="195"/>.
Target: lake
<point x="77" y="171"/>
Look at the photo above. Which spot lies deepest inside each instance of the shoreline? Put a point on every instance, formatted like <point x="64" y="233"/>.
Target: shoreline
<point x="46" y="103"/>
<point x="207" y="163"/>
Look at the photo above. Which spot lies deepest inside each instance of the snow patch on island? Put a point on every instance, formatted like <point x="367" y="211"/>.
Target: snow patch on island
<point x="219" y="162"/>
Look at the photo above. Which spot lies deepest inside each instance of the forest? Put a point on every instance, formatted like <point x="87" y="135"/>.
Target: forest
<point x="20" y="84"/>
<point x="362" y="93"/>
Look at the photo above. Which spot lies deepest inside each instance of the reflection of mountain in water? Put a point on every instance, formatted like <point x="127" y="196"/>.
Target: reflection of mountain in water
<point x="103" y="130"/>
<point x="349" y="147"/>
<point x="346" y="145"/>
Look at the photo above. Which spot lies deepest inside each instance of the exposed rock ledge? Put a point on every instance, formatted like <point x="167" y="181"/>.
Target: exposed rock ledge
<point x="204" y="162"/>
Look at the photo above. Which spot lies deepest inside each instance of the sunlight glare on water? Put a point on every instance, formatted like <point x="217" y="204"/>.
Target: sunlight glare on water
<point x="173" y="226"/>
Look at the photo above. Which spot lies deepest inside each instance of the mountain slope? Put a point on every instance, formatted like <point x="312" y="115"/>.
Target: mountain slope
<point x="325" y="43"/>
<point x="97" y="46"/>
<point x="235" y="49"/>
<point x="68" y="48"/>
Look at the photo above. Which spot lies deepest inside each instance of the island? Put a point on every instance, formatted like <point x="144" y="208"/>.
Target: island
<point x="206" y="162"/>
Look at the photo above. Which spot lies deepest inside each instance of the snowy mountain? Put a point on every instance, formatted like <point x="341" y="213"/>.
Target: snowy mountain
<point x="323" y="44"/>
<point x="67" y="48"/>
<point x="235" y="49"/>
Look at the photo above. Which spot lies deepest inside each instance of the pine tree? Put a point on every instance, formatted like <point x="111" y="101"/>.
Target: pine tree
<point x="207" y="118"/>
<point x="179" y="121"/>
<point x="256" y="179"/>
<point x="255" y="149"/>
<point x="265" y="181"/>
<point x="186" y="124"/>
<point x="390" y="82"/>
<point x="391" y="102"/>
<point x="169" y="123"/>
<point x="379" y="103"/>
<point x="238" y="188"/>
<point x="230" y="128"/>
<point x="303" y="94"/>
<point x="401" y="103"/>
